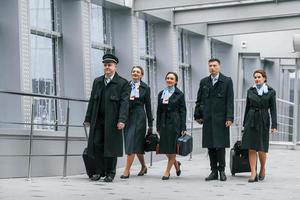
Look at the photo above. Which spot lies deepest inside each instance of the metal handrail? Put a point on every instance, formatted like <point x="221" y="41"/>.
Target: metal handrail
<point x="38" y="124"/>
<point x="67" y="125"/>
<point x="41" y="95"/>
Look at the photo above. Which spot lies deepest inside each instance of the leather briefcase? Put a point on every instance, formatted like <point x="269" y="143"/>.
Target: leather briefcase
<point x="184" y="145"/>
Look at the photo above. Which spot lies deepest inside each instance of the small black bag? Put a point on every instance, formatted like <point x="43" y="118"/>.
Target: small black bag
<point x="184" y="145"/>
<point x="151" y="141"/>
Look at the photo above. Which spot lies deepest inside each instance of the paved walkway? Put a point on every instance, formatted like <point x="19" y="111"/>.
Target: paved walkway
<point x="282" y="182"/>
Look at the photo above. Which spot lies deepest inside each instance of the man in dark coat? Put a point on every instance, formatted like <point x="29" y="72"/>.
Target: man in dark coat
<point x="214" y="108"/>
<point x="106" y="115"/>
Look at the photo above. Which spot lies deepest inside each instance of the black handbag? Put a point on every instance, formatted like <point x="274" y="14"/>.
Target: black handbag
<point x="239" y="161"/>
<point x="151" y="141"/>
<point x="237" y="147"/>
<point x="184" y="145"/>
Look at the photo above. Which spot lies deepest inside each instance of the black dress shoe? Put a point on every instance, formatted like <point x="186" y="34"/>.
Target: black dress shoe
<point x="125" y="177"/>
<point x="178" y="172"/>
<point x="143" y="171"/>
<point x="108" y="179"/>
<point x="95" y="177"/>
<point x="165" y="178"/>
<point x="212" y="176"/>
<point x="250" y="180"/>
<point x="223" y="176"/>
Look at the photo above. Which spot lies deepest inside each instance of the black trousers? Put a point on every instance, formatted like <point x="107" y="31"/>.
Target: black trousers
<point x="106" y="166"/>
<point x="217" y="159"/>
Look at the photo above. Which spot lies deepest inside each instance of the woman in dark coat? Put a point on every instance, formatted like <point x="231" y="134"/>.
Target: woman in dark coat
<point x="171" y="121"/>
<point x="135" y="129"/>
<point x="260" y="99"/>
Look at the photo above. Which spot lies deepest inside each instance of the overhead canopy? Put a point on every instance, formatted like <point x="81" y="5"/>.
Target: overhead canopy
<point x="229" y="17"/>
<point x="241" y="12"/>
<point x="146" y="5"/>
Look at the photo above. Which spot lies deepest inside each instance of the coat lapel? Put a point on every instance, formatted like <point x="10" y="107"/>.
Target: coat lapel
<point x="142" y="89"/>
<point x="174" y="96"/>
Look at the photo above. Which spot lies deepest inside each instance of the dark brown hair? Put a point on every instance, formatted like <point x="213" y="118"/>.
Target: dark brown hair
<point x="176" y="76"/>
<point x="139" y="67"/>
<point x="262" y="72"/>
<point x="214" y="60"/>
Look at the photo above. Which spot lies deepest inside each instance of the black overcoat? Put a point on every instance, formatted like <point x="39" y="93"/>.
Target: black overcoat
<point x="135" y="129"/>
<point x="215" y="106"/>
<point x="257" y="119"/>
<point x="116" y="110"/>
<point x="171" y="121"/>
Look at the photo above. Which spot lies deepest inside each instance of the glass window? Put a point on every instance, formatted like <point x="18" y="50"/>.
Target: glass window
<point x="142" y="37"/>
<point x="42" y="80"/>
<point x="42" y="62"/>
<point x="41" y="57"/>
<point x="97" y="25"/>
<point x="96" y="65"/>
<point x="40" y="14"/>
<point x="100" y="38"/>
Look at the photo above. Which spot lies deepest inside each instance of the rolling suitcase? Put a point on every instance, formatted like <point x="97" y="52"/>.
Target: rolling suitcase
<point x="89" y="162"/>
<point x="239" y="161"/>
<point x="184" y="145"/>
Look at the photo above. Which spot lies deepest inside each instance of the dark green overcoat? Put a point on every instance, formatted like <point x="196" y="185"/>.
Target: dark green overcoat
<point x="116" y="110"/>
<point x="170" y="121"/>
<point x="215" y="106"/>
<point x="135" y="130"/>
<point x="257" y="119"/>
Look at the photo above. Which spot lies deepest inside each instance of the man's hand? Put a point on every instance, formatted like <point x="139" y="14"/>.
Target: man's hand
<point x="228" y="123"/>
<point x="200" y="121"/>
<point x="120" y="125"/>
<point x="86" y="124"/>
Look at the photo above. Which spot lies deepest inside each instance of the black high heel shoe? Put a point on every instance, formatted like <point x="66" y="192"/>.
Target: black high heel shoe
<point x="165" y="178"/>
<point x="125" y="177"/>
<point x="261" y="178"/>
<point x="250" y="180"/>
<point x="143" y="171"/>
<point x="178" y="172"/>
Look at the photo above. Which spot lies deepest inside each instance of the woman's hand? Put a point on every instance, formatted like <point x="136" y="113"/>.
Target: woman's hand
<point x="273" y="130"/>
<point x="183" y="132"/>
<point x="200" y="121"/>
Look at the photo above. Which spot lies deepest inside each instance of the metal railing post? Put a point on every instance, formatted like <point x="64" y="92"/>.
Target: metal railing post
<point x="151" y="158"/>
<point x="296" y="102"/>
<point x="66" y="141"/>
<point x="30" y="145"/>
<point x="192" y="126"/>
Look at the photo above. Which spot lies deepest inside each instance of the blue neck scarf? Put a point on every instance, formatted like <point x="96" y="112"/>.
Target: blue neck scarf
<point x="135" y="88"/>
<point x="167" y="92"/>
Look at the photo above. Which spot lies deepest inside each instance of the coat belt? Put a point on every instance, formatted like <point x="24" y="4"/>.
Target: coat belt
<point x="256" y="117"/>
